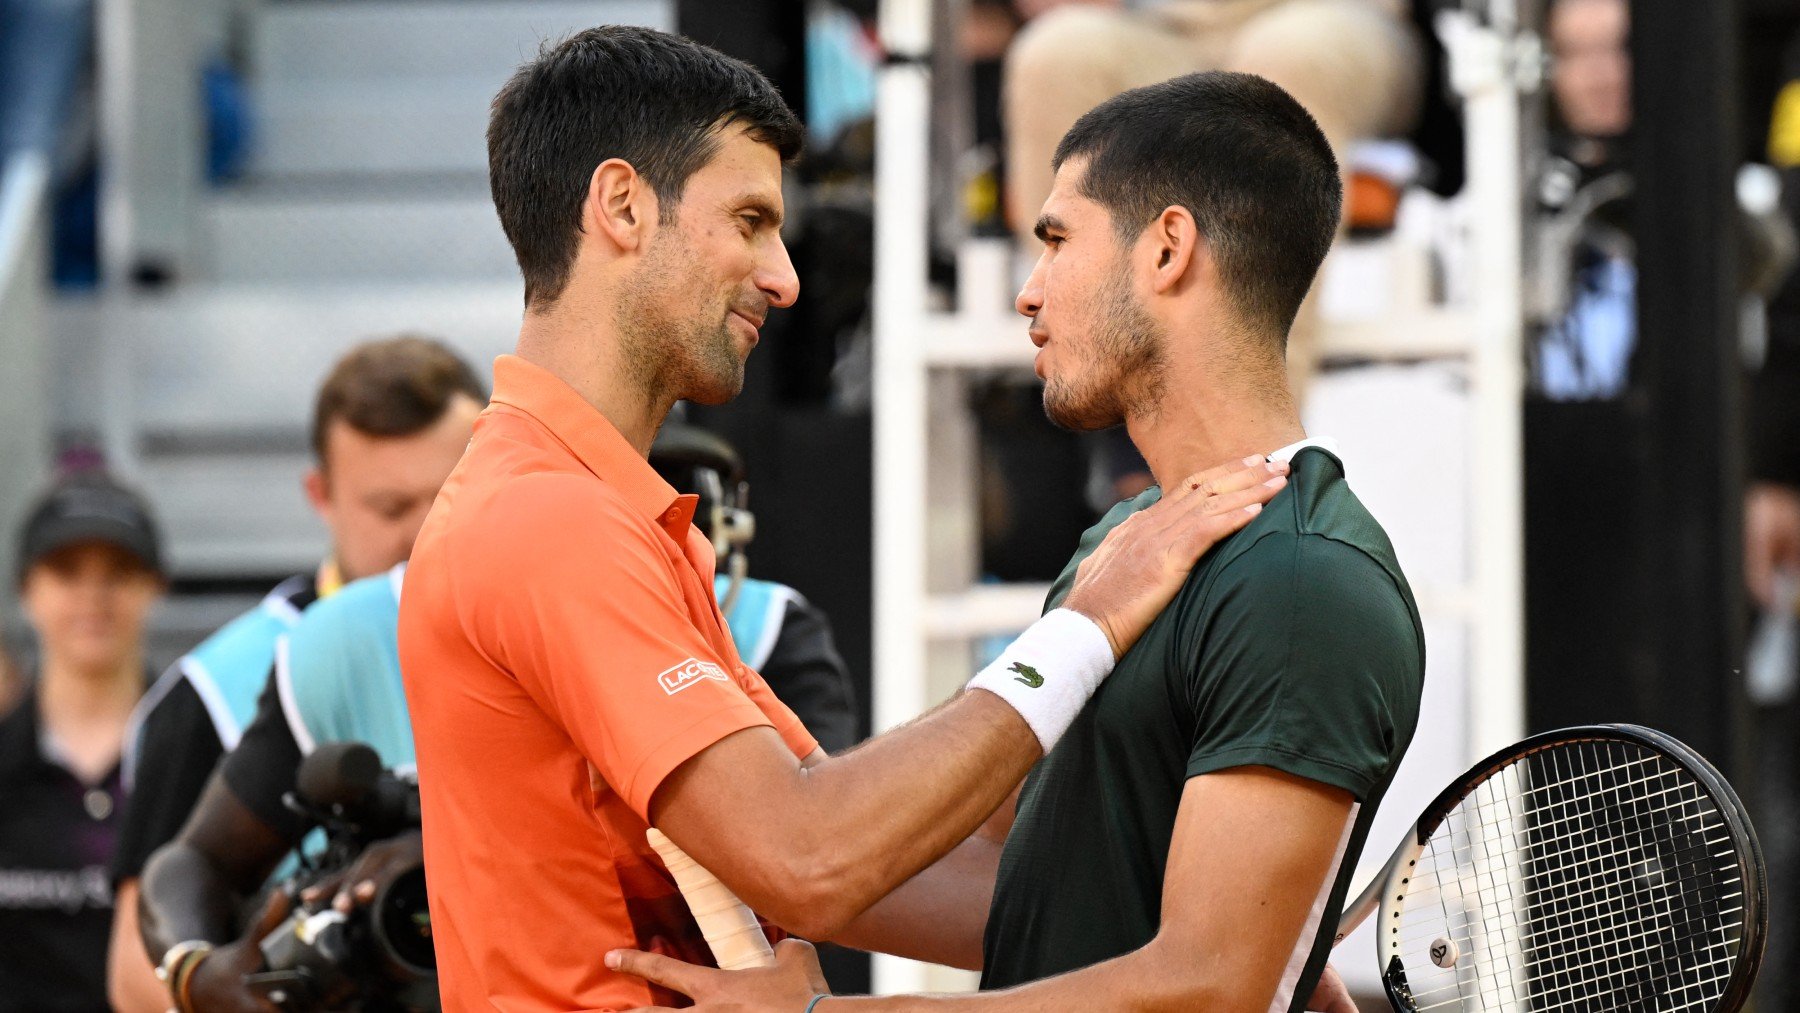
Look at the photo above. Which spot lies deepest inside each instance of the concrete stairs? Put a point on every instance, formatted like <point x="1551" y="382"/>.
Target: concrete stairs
<point x="364" y="212"/>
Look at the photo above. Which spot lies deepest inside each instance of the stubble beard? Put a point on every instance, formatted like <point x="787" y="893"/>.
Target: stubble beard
<point x="1122" y="374"/>
<point x="674" y="355"/>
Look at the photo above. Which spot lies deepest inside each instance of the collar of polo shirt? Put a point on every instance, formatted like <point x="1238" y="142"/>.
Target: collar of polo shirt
<point x="602" y="449"/>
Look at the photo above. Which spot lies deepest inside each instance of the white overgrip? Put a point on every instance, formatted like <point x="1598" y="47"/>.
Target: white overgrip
<point x="730" y="927"/>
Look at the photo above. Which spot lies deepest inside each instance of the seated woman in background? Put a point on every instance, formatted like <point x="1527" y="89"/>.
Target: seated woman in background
<point x="90" y="570"/>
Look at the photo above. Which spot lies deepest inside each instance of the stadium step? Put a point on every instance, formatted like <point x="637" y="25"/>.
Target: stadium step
<point x="217" y="382"/>
<point x="418" y="229"/>
<point x="352" y="86"/>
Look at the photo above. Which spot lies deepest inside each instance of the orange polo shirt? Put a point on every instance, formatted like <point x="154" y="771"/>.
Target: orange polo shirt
<point x="559" y="614"/>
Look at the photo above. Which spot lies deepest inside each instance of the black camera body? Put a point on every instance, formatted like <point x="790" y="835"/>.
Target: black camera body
<point x="378" y="957"/>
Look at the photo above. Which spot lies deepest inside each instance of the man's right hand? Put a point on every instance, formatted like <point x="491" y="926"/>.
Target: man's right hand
<point x="1136" y="570"/>
<point x="218" y="982"/>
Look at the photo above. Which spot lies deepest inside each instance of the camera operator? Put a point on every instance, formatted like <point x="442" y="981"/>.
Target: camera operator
<point x="388" y="423"/>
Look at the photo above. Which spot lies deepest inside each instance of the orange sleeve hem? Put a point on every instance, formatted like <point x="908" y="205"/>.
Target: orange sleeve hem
<point x="793" y="732"/>
<point x="683" y="746"/>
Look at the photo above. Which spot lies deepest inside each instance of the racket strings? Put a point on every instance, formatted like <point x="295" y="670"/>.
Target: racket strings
<point x="1543" y="870"/>
<point x="1591" y="876"/>
<point x="1686" y="863"/>
<point x="1576" y="973"/>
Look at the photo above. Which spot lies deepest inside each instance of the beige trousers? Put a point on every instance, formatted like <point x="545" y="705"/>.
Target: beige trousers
<point x="1354" y="64"/>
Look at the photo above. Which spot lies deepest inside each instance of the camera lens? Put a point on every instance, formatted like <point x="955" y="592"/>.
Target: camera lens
<point x="402" y="923"/>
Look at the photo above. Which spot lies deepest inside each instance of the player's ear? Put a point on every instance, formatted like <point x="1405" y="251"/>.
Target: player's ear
<point x="620" y="205"/>
<point x="1173" y="240"/>
<point x="318" y="493"/>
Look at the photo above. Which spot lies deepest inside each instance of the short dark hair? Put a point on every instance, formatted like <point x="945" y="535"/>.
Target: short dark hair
<point x="394" y="386"/>
<point x="1243" y="157"/>
<point x="653" y="99"/>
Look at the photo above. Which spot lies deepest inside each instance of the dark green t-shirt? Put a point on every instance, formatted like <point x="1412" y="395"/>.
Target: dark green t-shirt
<point x="1295" y="644"/>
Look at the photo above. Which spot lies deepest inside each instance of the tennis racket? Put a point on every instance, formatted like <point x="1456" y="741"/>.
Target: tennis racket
<point x="1589" y="869"/>
<point x="730" y="927"/>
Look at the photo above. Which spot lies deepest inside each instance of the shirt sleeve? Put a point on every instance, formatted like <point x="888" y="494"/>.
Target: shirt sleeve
<point x="1308" y="659"/>
<point x="583" y="601"/>
<point x="177" y="749"/>
<point x="807" y="674"/>
<point x="265" y="766"/>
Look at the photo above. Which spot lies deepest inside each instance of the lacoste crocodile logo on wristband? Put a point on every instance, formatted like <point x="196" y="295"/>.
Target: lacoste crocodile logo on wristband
<point x="1027" y="675"/>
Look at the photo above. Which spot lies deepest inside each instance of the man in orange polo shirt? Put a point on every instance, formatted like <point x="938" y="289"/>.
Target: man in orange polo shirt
<point x="570" y="678"/>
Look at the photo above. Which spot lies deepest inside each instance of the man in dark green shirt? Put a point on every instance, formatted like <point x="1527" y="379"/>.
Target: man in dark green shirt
<point x="1187" y="845"/>
<point x="1295" y="646"/>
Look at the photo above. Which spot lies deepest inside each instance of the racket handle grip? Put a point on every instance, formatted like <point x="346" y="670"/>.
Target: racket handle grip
<point x="730" y="927"/>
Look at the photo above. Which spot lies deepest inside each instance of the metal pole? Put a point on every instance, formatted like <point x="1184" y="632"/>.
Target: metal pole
<point x="1484" y="63"/>
<point x="24" y="405"/>
<point x="903" y="110"/>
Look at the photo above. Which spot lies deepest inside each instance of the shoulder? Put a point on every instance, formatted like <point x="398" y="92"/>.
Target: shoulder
<point x="1093" y="536"/>
<point x="241" y="648"/>
<point x="364" y="611"/>
<point x="228" y="669"/>
<point x="354" y="602"/>
<point x="171" y="700"/>
<point x="1311" y="579"/>
<point x="546" y="515"/>
<point x="170" y="718"/>
<point x="329" y="668"/>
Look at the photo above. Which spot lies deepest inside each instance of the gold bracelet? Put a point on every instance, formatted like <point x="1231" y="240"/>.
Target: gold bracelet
<point x="181" y="985"/>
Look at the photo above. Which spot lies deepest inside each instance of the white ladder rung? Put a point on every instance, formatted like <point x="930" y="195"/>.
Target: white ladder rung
<point x="983" y="610"/>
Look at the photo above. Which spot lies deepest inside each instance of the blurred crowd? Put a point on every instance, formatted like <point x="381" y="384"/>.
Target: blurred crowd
<point x="130" y="792"/>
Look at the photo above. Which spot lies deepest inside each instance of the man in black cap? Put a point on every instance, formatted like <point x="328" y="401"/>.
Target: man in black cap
<point x="90" y="570"/>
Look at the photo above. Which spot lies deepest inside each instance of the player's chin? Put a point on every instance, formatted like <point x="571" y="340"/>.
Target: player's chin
<point x="1075" y="410"/>
<point x="719" y="388"/>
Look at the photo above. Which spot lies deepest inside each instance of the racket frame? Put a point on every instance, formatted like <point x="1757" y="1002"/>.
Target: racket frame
<point x="1387" y="892"/>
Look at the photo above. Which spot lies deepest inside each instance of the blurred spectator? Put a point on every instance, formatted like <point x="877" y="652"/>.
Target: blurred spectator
<point x="1354" y="64"/>
<point x="1590" y="75"/>
<point x="389" y="423"/>
<point x="1772" y="508"/>
<point x="1586" y="353"/>
<point x="90" y="570"/>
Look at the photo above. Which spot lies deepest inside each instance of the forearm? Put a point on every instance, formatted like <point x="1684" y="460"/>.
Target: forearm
<point x="185" y="896"/>
<point x="937" y="916"/>
<point x="131" y="983"/>
<point x="863" y="823"/>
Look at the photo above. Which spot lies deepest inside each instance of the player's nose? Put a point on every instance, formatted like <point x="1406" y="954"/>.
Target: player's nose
<point x="777" y="278"/>
<point x="1031" y="297"/>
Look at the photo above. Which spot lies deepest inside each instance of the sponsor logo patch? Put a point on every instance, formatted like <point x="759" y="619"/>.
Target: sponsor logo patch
<point x="688" y="673"/>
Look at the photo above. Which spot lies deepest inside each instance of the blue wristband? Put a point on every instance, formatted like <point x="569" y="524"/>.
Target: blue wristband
<point x="816" y="1000"/>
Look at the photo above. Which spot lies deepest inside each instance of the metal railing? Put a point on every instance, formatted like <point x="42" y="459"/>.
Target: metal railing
<point x="24" y="412"/>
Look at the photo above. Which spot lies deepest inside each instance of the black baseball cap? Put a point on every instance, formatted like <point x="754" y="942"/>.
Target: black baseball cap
<point x="90" y="507"/>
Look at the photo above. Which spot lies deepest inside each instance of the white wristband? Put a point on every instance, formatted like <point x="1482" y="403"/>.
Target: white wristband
<point x="1048" y="674"/>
